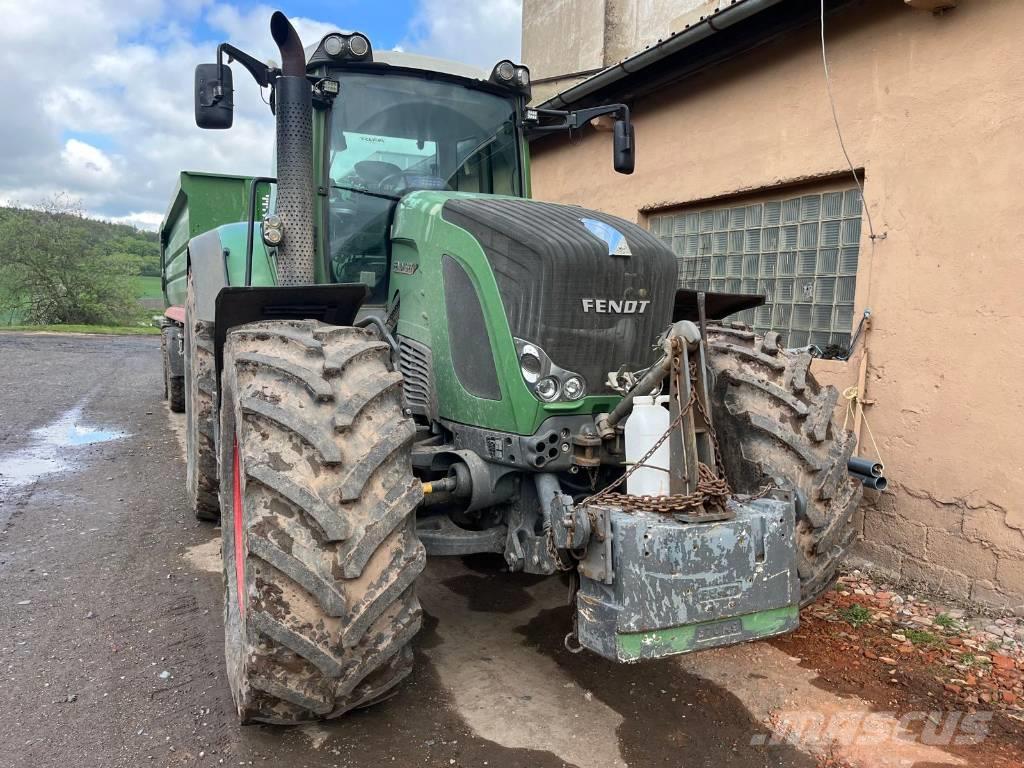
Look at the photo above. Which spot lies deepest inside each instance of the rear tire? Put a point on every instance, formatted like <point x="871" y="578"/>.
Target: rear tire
<point x="319" y="537"/>
<point x="174" y="386"/>
<point x="163" y="358"/>
<point x="774" y="423"/>
<point x="200" y="414"/>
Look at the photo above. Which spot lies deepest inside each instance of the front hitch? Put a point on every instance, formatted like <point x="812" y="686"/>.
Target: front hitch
<point x="697" y="568"/>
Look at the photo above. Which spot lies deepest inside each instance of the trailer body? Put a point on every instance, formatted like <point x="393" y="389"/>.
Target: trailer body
<point x="201" y="203"/>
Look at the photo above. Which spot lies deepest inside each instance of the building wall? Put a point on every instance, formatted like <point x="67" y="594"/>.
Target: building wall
<point x="931" y="110"/>
<point x="563" y="37"/>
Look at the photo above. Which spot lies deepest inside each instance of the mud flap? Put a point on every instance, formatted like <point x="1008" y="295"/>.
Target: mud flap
<point x="657" y="587"/>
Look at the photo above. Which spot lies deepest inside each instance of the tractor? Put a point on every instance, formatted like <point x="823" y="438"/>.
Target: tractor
<point x="389" y="351"/>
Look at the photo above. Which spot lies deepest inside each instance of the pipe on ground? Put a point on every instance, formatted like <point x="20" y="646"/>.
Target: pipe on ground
<point x="875" y="483"/>
<point x="865" y="466"/>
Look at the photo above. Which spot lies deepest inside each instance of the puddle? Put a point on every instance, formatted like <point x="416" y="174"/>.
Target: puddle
<point x="50" y="449"/>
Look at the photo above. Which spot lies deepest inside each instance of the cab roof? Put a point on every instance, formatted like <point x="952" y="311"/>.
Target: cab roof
<point x="412" y="61"/>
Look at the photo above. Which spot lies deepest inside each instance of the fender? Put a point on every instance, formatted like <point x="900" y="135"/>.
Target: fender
<point x="334" y="304"/>
<point x="717" y="305"/>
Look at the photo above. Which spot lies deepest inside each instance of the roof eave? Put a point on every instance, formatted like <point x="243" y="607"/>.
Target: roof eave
<point x="738" y="11"/>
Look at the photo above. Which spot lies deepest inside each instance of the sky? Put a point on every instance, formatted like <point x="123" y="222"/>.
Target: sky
<point x="99" y="92"/>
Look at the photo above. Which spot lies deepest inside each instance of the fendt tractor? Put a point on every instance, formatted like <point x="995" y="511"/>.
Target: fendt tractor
<point x="390" y="351"/>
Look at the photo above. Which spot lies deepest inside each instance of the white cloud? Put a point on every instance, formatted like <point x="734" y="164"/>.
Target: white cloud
<point x="139" y="219"/>
<point x="103" y="90"/>
<point x="250" y="29"/>
<point x="87" y="164"/>
<point x="480" y="32"/>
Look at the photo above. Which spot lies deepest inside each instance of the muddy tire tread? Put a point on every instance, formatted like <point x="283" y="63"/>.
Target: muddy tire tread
<point x="200" y="415"/>
<point x="174" y="386"/>
<point x="331" y="561"/>
<point x="775" y="424"/>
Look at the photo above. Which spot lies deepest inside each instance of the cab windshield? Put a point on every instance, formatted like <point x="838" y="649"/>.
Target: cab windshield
<point x="394" y="134"/>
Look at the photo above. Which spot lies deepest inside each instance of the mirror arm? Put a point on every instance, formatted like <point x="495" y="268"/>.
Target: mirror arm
<point x="572" y="120"/>
<point x="261" y="73"/>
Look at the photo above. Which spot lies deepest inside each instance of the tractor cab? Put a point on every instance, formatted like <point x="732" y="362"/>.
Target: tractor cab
<point x="385" y="124"/>
<point x="401" y="123"/>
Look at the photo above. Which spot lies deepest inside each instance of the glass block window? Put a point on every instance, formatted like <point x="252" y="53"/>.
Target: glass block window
<point x="799" y="252"/>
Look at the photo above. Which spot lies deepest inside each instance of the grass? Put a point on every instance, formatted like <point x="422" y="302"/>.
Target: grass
<point x="946" y="621"/>
<point x="922" y="637"/>
<point x="149" y="287"/>
<point x="970" y="660"/>
<point x="116" y="330"/>
<point x="856" y="615"/>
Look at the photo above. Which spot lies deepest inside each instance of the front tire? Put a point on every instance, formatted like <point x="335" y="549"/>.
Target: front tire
<point x="319" y="539"/>
<point x="775" y="425"/>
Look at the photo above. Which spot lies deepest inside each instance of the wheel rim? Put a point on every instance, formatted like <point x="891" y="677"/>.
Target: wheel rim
<point x="237" y="512"/>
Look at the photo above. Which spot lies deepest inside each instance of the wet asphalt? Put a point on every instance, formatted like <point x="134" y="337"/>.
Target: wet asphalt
<point x="110" y="632"/>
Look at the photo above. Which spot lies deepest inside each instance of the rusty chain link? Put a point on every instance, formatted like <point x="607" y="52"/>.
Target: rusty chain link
<point x="712" y="487"/>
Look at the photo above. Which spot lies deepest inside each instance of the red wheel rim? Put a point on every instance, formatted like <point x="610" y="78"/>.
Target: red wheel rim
<point x="237" y="513"/>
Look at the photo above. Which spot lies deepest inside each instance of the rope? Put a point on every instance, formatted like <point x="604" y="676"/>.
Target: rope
<point x="852" y="396"/>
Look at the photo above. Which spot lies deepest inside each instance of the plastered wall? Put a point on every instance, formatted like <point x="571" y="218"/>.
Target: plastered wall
<point x="932" y="109"/>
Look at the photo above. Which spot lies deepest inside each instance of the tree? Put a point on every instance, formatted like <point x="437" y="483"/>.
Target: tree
<point x="56" y="267"/>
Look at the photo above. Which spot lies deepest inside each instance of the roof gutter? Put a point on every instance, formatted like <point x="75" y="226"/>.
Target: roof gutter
<point x="735" y="13"/>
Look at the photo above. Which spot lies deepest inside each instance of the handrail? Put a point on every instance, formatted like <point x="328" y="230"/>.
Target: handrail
<point x="256" y="181"/>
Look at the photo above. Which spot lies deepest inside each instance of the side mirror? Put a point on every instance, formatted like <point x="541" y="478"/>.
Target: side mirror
<point x="215" y="101"/>
<point x="624" y="150"/>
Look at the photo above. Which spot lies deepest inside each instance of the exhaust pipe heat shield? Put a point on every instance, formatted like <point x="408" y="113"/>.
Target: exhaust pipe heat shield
<point x="293" y="98"/>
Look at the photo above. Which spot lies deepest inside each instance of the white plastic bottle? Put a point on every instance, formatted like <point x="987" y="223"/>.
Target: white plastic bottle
<point x="648" y="421"/>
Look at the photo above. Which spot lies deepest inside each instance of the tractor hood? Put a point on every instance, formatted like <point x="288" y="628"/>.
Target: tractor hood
<point x="593" y="291"/>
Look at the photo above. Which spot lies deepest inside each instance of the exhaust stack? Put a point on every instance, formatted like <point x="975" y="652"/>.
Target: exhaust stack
<point x="294" y="113"/>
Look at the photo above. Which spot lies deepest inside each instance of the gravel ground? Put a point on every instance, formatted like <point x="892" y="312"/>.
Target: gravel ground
<point x="111" y="640"/>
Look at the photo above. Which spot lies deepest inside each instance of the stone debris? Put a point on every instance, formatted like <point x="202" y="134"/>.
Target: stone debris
<point x="978" y="660"/>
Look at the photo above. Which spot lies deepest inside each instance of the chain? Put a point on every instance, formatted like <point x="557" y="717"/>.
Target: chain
<point x="712" y="487"/>
<point x="713" y="490"/>
<point x="549" y="541"/>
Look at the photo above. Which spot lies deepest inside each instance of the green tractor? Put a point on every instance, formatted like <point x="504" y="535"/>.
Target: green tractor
<point x="390" y="351"/>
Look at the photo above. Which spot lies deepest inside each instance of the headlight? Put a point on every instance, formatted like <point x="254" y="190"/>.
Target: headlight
<point x="272" y="229"/>
<point x="546" y="380"/>
<point x="522" y="76"/>
<point x="334" y="45"/>
<point x="505" y="70"/>
<point x="574" y="388"/>
<point x="530" y="364"/>
<point x="359" y="45"/>
<point x="354" y="46"/>
<point x="547" y="389"/>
